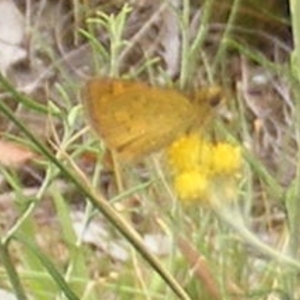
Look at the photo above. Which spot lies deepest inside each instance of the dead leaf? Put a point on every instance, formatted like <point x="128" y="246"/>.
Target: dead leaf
<point x="14" y="155"/>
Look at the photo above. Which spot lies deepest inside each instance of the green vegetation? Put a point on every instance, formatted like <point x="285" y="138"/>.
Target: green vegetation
<point x="71" y="231"/>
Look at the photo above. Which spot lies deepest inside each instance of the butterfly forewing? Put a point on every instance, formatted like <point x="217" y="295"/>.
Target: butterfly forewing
<point x="135" y="119"/>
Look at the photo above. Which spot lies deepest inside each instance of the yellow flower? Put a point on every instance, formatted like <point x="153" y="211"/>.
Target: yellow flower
<point x="226" y="159"/>
<point x="203" y="171"/>
<point x="191" y="186"/>
<point x="188" y="153"/>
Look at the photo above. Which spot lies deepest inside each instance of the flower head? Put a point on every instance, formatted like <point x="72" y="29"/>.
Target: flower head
<point x="188" y="153"/>
<point x="191" y="185"/>
<point x="200" y="167"/>
<point x="226" y="159"/>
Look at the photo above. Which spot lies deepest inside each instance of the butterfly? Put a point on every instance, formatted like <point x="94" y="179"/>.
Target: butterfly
<point x="135" y="119"/>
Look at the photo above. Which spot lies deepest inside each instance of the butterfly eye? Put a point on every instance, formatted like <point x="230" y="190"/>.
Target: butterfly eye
<point x="215" y="100"/>
<point x="212" y="96"/>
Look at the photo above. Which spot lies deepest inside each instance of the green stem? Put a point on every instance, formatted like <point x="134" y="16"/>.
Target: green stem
<point x="232" y="217"/>
<point x="11" y="272"/>
<point x="295" y="10"/>
<point x="228" y="29"/>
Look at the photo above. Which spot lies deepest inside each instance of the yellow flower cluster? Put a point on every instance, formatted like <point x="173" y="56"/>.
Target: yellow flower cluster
<point x="199" y="166"/>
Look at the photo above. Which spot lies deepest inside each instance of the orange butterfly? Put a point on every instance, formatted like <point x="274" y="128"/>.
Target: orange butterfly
<point x="135" y="119"/>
